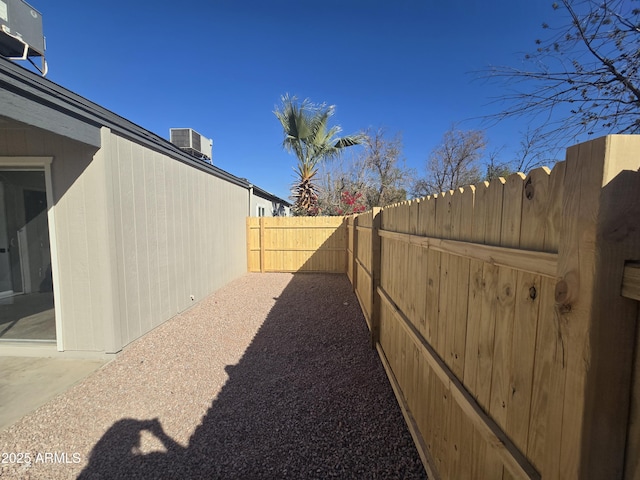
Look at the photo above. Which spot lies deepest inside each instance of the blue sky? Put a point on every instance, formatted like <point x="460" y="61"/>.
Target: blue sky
<point x="220" y="67"/>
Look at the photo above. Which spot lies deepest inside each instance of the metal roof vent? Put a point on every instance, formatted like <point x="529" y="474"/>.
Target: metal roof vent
<point x="21" y="36"/>
<point x="192" y="142"/>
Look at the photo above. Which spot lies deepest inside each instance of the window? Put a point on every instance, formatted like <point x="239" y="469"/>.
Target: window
<point x="261" y="211"/>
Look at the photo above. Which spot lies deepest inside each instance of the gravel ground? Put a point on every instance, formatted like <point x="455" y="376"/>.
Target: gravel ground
<point x="270" y="377"/>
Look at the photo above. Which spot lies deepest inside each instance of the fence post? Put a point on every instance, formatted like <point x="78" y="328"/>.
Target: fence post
<point x="375" y="275"/>
<point x="261" y="244"/>
<point x="595" y="325"/>
<point x="248" y="234"/>
<point x="354" y="264"/>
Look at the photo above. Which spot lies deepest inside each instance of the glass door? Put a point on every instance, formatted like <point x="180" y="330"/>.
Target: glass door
<point x="26" y="286"/>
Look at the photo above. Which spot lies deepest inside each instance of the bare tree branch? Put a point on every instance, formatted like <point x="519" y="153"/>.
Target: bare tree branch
<point x="454" y="163"/>
<point x="377" y="174"/>
<point x="583" y="79"/>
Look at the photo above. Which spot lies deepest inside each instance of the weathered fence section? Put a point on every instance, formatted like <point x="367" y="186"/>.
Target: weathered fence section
<point x="293" y="244"/>
<point x="500" y="320"/>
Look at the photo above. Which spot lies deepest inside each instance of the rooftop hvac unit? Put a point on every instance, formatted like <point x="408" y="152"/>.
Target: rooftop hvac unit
<point x="192" y="142"/>
<point x="21" y="36"/>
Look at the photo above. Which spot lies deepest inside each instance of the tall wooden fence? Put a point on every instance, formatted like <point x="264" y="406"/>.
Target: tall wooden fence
<point x="505" y="315"/>
<point x="293" y="244"/>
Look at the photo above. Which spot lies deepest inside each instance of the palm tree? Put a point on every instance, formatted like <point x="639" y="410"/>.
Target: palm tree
<point x="307" y="134"/>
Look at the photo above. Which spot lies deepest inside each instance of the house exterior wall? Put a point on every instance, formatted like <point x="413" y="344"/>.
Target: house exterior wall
<point x="76" y="185"/>
<point x="137" y="233"/>
<point x="178" y="231"/>
<point x="268" y="205"/>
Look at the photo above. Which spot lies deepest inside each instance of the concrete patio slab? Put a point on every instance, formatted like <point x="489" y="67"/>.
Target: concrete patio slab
<point x="26" y="383"/>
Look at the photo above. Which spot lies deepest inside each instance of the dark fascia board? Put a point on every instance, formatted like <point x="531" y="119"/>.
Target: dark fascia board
<point x="35" y="88"/>
<point x="269" y="196"/>
<point x="18" y="108"/>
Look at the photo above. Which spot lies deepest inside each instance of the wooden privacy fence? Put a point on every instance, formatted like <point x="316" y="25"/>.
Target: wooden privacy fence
<point x="286" y="244"/>
<point x="505" y="315"/>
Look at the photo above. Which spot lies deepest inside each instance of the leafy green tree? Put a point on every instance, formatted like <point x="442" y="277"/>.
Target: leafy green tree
<point x="307" y="134"/>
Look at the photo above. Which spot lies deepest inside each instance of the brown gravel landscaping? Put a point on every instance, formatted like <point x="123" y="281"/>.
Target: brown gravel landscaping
<point x="272" y="376"/>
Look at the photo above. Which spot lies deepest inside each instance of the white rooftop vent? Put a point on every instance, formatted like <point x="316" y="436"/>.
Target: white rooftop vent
<point x="21" y="36"/>
<point x="192" y="142"/>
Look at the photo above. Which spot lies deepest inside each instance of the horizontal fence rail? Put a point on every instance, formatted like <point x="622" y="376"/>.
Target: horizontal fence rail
<point x="539" y="263"/>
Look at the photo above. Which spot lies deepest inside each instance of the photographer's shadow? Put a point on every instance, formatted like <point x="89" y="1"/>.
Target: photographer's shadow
<point x="309" y="399"/>
<point x="118" y="453"/>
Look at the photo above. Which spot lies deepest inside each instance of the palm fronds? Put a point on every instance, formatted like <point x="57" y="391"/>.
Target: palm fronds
<point x="307" y="135"/>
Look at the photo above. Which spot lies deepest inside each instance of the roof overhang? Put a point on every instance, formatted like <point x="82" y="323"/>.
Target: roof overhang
<point x="33" y="100"/>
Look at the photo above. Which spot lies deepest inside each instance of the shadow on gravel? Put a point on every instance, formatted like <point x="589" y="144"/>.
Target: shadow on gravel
<point x="309" y="399"/>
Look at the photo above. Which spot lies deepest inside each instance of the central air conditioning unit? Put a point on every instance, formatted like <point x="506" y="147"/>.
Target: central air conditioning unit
<point x="192" y="142"/>
<point x="21" y="36"/>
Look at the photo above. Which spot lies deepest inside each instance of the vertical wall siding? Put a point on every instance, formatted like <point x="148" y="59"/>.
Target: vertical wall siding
<point x="179" y="232"/>
<point x="137" y="233"/>
<point x="78" y="190"/>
